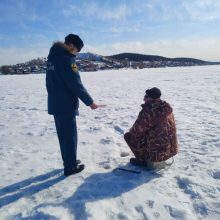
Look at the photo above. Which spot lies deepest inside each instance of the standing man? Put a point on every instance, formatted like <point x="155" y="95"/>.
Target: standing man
<point x="64" y="87"/>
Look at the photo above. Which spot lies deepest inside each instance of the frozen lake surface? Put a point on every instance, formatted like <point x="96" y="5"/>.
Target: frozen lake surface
<point x="32" y="185"/>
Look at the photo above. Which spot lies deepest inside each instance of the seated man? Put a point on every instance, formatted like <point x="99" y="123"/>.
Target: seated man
<point x="153" y="138"/>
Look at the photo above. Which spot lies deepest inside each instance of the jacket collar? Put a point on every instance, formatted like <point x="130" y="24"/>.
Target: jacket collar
<point x="59" y="49"/>
<point x="153" y="101"/>
<point x="63" y="47"/>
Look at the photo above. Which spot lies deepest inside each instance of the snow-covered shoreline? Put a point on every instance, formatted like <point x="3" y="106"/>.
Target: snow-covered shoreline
<point x="32" y="185"/>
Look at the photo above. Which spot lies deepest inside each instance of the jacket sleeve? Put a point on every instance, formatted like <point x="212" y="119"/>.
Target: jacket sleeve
<point x="142" y="124"/>
<point x="73" y="81"/>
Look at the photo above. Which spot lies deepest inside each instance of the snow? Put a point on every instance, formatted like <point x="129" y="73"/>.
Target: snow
<point x="32" y="185"/>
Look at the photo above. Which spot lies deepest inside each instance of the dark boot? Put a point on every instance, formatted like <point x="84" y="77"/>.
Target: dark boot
<point x="137" y="162"/>
<point x="75" y="170"/>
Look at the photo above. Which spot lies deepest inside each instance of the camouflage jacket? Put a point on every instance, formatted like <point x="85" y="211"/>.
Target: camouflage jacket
<point x="155" y="131"/>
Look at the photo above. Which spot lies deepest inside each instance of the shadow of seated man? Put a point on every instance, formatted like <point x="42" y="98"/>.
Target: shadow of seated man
<point x="153" y="138"/>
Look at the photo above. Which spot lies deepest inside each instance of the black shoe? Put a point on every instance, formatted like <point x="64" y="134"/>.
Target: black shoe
<point x="137" y="162"/>
<point x="75" y="170"/>
<point x="78" y="162"/>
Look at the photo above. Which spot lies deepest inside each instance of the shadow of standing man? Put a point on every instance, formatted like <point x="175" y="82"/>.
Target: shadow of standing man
<point x="28" y="187"/>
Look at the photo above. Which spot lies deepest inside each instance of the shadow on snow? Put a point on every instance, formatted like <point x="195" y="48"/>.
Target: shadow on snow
<point x="29" y="187"/>
<point x="97" y="187"/>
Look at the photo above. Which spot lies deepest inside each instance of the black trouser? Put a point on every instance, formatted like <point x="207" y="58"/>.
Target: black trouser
<point x="67" y="135"/>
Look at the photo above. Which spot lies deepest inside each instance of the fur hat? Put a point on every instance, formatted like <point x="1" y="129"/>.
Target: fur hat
<point x="75" y="40"/>
<point x="153" y="93"/>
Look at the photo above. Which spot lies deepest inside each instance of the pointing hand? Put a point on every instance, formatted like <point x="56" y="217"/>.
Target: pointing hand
<point x="93" y="106"/>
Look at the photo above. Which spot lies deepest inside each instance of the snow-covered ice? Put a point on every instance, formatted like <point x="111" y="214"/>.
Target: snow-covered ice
<point x="32" y="185"/>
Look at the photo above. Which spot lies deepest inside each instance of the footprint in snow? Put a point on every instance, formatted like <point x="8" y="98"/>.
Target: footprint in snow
<point x="139" y="209"/>
<point x="176" y="213"/>
<point x="124" y="154"/>
<point x="105" y="164"/>
<point x="216" y="175"/>
<point x="94" y="129"/>
<point x="33" y="109"/>
<point x="150" y="203"/>
<point x="118" y="129"/>
<point x="157" y="215"/>
<point x="107" y="140"/>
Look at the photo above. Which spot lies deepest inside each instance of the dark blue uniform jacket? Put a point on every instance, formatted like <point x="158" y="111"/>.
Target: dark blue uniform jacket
<point x="63" y="82"/>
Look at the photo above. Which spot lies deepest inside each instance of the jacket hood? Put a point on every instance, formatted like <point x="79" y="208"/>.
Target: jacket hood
<point x="59" y="49"/>
<point x="159" y="106"/>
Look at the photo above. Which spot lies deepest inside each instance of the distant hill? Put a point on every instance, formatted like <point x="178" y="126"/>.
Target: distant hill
<point x="141" y="57"/>
<point x="94" y="62"/>
<point x="89" y="56"/>
<point x="138" y="57"/>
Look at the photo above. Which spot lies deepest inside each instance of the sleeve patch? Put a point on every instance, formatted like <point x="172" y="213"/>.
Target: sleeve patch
<point x="74" y="68"/>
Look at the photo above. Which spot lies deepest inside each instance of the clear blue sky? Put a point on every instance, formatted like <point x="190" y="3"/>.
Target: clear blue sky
<point x="173" y="28"/>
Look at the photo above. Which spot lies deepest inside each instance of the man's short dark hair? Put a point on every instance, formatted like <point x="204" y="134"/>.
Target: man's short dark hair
<point x="75" y="40"/>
